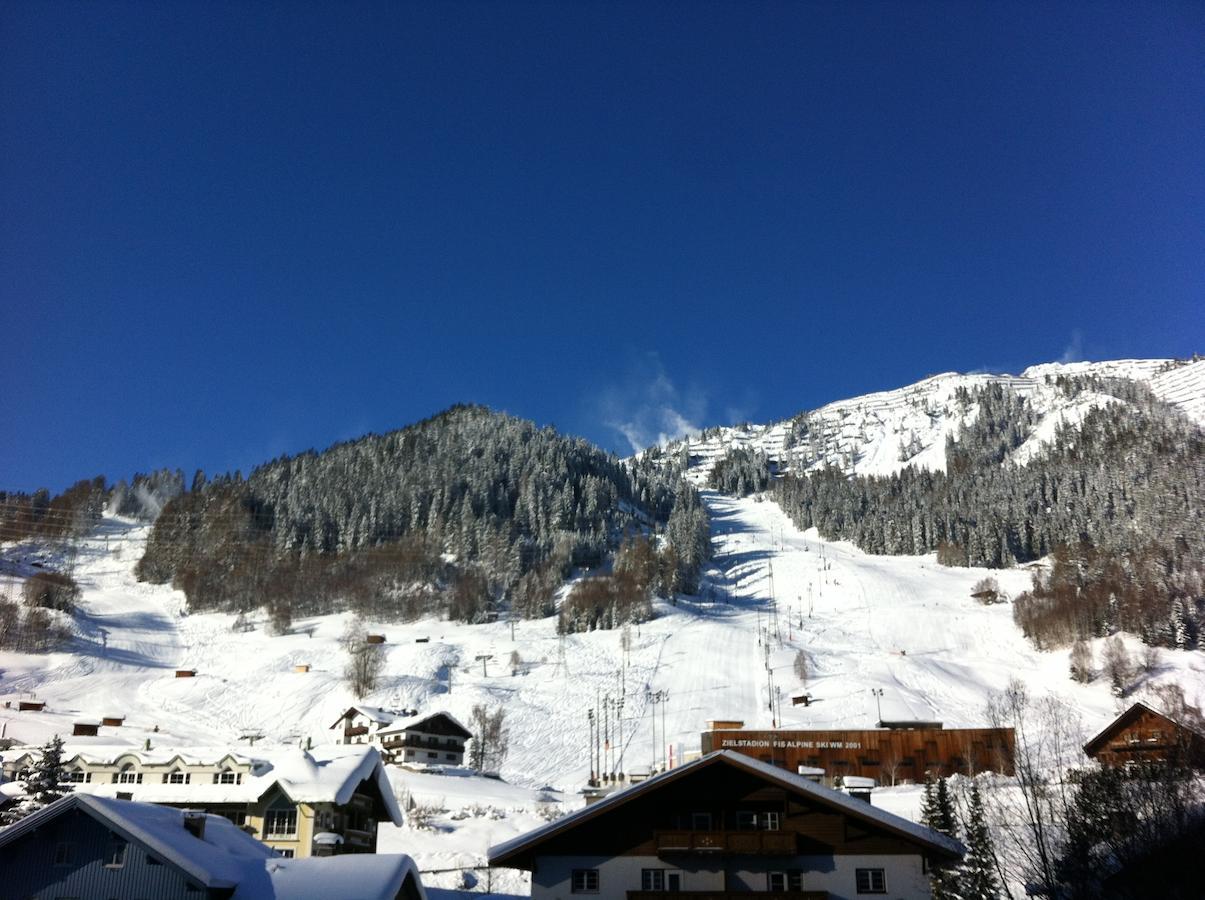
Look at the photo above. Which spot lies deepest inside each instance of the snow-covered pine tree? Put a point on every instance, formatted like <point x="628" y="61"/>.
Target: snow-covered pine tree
<point x="46" y="783"/>
<point x="937" y="812"/>
<point x="979" y="879"/>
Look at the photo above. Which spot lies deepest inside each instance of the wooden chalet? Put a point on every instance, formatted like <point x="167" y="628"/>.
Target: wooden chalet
<point x="727" y="827"/>
<point x="362" y="724"/>
<point x="903" y="751"/>
<point x="1142" y="734"/>
<point x="435" y="739"/>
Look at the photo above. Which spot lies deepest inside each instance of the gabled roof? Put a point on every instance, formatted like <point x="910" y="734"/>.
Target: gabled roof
<point x="1126" y="718"/>
<point x="378" y="714"/>
<point x="924" y="838"/>
<point x="228" y="858"/>
<point x="358" y="876"/>
<point x="415" y="723"/>
<point x="326" y="775"/>
<point x="221" y="859"/>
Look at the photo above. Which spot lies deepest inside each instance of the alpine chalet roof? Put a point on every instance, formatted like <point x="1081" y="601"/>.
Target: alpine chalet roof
<point x="223" y="858"/>
<point x="415" y="723"/>
<point x="925" y="838"/>
<point x="1126" y="718"/>
<point x="327" y="775"/>
<point x="226" y="857"/>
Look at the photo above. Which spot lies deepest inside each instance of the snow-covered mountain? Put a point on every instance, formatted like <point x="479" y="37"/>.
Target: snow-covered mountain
<point x="903" y="626"/>
<point x="883" y="432"/>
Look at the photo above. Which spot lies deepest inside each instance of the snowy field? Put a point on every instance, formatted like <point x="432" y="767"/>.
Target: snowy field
<point x="904" y="625"/>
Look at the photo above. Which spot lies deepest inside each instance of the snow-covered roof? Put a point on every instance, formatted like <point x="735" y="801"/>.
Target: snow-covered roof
<point x="378" y="714"/>
<point x="843" y="803"/>
<point x="413" y="723"/>
<point x="329" y="775"/>
<point x="226" y="857"/>
<point x="222" y="858"/>
<point x="358" y="876"/>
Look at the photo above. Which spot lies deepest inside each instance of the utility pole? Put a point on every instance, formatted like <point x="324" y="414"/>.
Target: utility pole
<point x="878" y="692"/>
<point x="651" y="700"/>
<point x="619" y="725"/>
<point x="590" y="747"/>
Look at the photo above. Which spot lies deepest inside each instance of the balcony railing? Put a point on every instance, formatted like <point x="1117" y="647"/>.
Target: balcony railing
<point x="756" y="842"/>
<point x="396" y="742"/>
<point x="727" y="895"/>
<point x="355" y="730"/>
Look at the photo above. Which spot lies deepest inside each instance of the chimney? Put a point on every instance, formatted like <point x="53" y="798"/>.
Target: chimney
<point x="194" y="823"/>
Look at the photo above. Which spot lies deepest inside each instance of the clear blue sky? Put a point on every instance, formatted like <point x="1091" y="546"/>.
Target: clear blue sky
<point x="234" y="230"/>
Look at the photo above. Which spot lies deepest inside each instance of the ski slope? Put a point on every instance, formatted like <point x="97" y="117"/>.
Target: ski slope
<point x="901" y="624"/>
<point x="904" y="626"/>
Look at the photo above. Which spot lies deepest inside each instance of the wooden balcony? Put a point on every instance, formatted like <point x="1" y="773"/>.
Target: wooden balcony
<point x="727" y="895"/>
<point x="397" y="742"/>
<point x="775" y="843"/>
<point x="355" y="731"/>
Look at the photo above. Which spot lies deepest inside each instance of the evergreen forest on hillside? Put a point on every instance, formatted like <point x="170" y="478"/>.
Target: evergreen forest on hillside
<point x="463" y="514"/>
<point x="1119" y="501"/>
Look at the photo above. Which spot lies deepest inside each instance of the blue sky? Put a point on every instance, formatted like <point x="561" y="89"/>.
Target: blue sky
<point x="234" y="230"/>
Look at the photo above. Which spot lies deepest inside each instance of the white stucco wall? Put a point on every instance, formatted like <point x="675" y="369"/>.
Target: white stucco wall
<point x="904" y="875"/>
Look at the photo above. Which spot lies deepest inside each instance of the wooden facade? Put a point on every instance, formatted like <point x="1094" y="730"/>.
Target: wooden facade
<point x="726" y="827"/>
<point x="1143" y="735"/>
<point x="888" y="755"/>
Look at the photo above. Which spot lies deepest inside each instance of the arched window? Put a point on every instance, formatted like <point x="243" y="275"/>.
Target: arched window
<point x="128" y="775"/>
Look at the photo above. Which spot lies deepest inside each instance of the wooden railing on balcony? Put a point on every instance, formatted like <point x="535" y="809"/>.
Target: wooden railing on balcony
<point x="757" y="842"/>
<point x="727" y="895"/>
<point x="393" y="742"/>
<point x="355" y="730"/>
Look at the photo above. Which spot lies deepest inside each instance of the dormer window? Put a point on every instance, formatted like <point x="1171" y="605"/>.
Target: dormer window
<point x="228" y="776"/>
<point x="77" y="776"/>
<point x="176" y="776"/>
<point x="128" y="775"/>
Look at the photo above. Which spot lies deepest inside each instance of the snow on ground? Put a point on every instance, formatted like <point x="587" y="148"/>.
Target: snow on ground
<point x="904" y="625"/>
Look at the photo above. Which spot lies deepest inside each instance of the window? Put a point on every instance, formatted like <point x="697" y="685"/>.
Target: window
<point x="127" y="775"/>
<point x="871" y="881"/>
<point x="178" y="777"/>
<point x="652" y="879"/>
<point x="64" y="854"/>
<point x="286" y="854"/>
<point x="115" y="852"/>
<point x="227" y="776"/>
<point x="746" y="820"/>
<point x="1155" y="738"/>
<point x="280" y="822"/>
<point x="700" y="821"/>
<point x="776" y="881"/>
<point x="771" y="821"/>
<point x="585" y="881"/>
<point x="78" y="776"/>
<point x="795" y="880"/>
<point x="431" y="755"/>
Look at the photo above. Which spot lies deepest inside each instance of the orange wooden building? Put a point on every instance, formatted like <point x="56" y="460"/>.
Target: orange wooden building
<point x="888" y="755"/>
<point x="1142" y="734"/>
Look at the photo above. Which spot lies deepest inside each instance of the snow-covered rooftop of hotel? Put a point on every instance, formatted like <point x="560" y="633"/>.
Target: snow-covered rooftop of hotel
<point x="327" y="775"/>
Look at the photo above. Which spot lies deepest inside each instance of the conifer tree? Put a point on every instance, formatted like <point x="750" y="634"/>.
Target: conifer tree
<point x="979" y="881"/>
<point x="46" y="782"/>
<point x="937" y="812"/>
